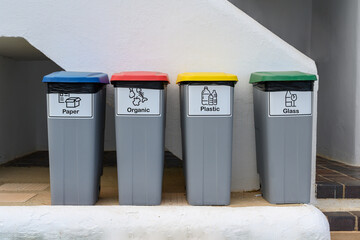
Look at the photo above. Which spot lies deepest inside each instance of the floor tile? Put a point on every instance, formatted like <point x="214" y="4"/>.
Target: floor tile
<point x="18" y="187"/>
<point x="357" y="214"/>
<point x="355" y="235"/>
<point x="347" y="181"/>
<point x="352" y="191"/>
<point x="320" y="178"/>
<point x="15" y="197"/>
<point x="178" y="199"/>
<point x="325" y="171"/>
<point x="37" y="159"/>
<point x="341" y="221"/>
<point x="338" y="168"/>
<point x="355" y="175"/>
<point x="329" y="190"/>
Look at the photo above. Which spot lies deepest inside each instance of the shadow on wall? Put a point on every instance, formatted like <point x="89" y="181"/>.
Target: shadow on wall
<point x="23" y="122"/>
<point x="290" y="20"/>
<point x="23" y="125"/>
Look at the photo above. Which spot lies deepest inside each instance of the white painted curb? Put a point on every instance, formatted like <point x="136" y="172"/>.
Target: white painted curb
<point x="163" y="222"/>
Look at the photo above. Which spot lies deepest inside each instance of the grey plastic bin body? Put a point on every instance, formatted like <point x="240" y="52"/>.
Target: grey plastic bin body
<point x="283" y="149"/>
<point x="76" y="119"/>
<point x="207" y="153"/>
<point x="140" y="157"/>
<point x="283" y="112"/>
<point x="140" y="135"/>
<point x="76" y="148"/>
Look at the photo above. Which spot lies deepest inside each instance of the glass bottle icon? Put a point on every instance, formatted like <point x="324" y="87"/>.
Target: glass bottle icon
<point x="205" y="96"/>
<point x="290" y="99"/>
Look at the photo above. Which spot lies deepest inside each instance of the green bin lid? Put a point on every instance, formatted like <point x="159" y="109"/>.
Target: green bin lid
<point x="281" y="76"/>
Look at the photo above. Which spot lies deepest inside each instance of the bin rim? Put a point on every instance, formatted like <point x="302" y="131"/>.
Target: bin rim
<point x="206" y="77"/>
<point x="143" y="76"/>
<point x="76" y="77"/>
<point x="281" y="76"/>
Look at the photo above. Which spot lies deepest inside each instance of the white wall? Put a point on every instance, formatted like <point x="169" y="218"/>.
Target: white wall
<point x="22" y="107"/>
<point x="170" y="36"/>
<point x="335" y="48"/>
<point x="290" y="20"/>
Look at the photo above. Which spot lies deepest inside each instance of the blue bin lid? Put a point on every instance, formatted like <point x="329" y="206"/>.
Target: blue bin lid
<point x="76" y="77"/>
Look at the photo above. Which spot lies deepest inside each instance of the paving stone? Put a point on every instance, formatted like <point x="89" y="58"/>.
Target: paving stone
<point x="178" y="199"/>
<point x="333" y="175"/>
<point x="15" y="197"/>
<point x="338" y="168"/>
<point x="354" y="235"/>
<point x="320" y="178"/>
<point x="319" y="166"/>
<point x="37" y="159"/>
<point x="357" y="214"/>
<point x="171" y="161"/>
<point x="109" y="159"/>
<point x="352" y="191"/>
<point x="325" y="171"/>
<point x="341" y="221"/>
<point x="321" y="160"/>
<point x="18" y="187"/>
<point x="329" y="190"/>
<point x="355" y="175"/>
<point x="347" y="181"/>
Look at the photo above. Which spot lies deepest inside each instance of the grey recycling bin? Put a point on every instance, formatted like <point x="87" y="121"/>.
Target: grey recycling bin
<point x="206" y="101"/>
<point x="140" y="99"/>
<point x="283" y="115"/>
<point x="76" y="118"/>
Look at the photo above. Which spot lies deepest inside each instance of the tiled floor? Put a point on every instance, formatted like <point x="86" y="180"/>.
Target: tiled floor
<point x="337" y="180"/>
<point x="334" y="180"/>
<point x="29" y="177"/>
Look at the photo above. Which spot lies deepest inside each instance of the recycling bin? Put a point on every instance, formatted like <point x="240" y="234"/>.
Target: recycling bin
<point x="140" y="99"/>
<point x="283" y="114"/>
<point x="76" y="118"/>
<point x="206" y="105"/>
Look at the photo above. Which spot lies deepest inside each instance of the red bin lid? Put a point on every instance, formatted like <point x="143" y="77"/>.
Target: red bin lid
<point x="140" y="76"/>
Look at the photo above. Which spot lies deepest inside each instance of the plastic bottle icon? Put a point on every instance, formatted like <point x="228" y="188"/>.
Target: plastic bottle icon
<point x="211" y="99"/>
<point x="205" y="96"/>
<point x="214" y="95"/>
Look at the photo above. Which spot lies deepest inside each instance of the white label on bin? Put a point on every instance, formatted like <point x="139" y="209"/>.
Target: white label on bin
<point x="290" y="103"/>
<point x="209" y="100"/>
<point x="137" y="101"/>
<point x="70" y="105"/>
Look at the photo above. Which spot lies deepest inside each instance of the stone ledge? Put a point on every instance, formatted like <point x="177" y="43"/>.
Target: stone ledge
<point x="162" y="222"/>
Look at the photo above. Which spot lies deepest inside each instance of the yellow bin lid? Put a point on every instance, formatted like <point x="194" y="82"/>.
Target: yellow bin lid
<point x="206" y="77"/>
